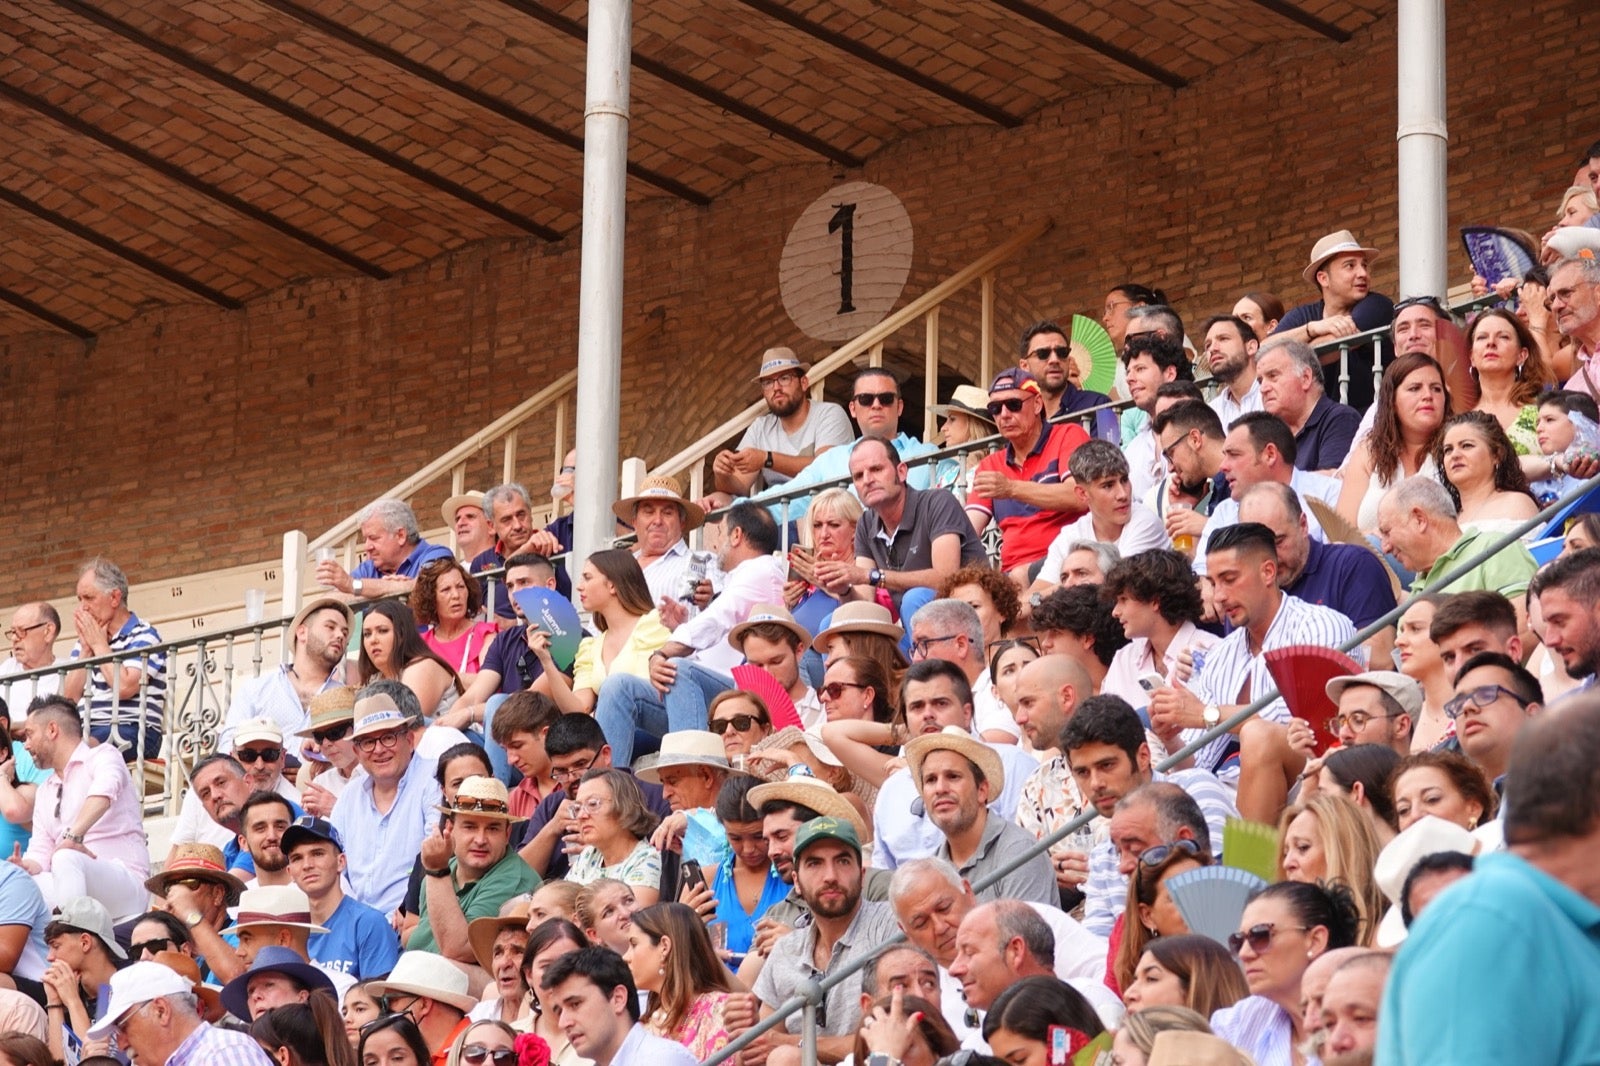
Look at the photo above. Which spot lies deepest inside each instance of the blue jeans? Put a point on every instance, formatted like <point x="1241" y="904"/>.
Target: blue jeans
<point x="129" y="733"/>
<point x="629" y="705"/>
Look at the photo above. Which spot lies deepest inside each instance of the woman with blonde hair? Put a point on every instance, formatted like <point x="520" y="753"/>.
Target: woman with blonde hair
<point x="604" y="911"/>
<point x="1137" y="1034"/>
<point x="827" y="535"/>
<point x="673" y="959"/>
<point x="611" y="587"/>
<point x="1328" y="839"/>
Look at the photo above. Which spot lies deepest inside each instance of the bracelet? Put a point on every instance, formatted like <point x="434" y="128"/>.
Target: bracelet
<point x="55" y="1006"/>
<point x="436" y="873"/>
<point x="68" y="834"/>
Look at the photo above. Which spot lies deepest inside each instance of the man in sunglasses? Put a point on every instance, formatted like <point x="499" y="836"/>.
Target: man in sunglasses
<point x="318" y="637"/>
<point x="359" y="941"/>
<point x="1046" y="353"/>
<point x="219" y="785"/>
<point x="1024" y="488"/>
<point x="384" y="817"/>
<point x="784" y="441"/>
<point x="1495" y="699"/>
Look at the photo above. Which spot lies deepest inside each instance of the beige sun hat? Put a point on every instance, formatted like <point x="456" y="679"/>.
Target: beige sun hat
<point x="686" y="747"/>
<point x="330" y="707"/>
<point x="431" y="976"/>
<point x="780" y="361"/>
<point x="808" y="790"/>
<point x="482" y="932"/>
<point x="661" y="487"/>
<point x="482" y="797"/>
<point x="768" y="613"/>
<point x="1426" y="836"/>
<point x="954" y="738"/>
<point x="858" y="617"/>
<point x="202" y="862"/>
<point x="967" y="400"/>
<point x="273" y="905"/>
<point x="1406" y="691"/>
<point x="318" y="604"/>
<point x="454" y="503"/>
<point x="1339" y="242"/>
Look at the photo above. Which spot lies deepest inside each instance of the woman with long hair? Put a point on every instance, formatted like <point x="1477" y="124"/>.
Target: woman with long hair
<point x="869" y="631"/>
<point x="391" y="647"/>
<point x="1445" y="784"/>
<point x="1510" y="374"/>
<point x="612" y="588"/>
<point x="393" y="1040"/>
<point x="1480" y="469"/>
<point x="25" y="1049"/>
<point x="746" y="884"/>
<point x="1408" y="420"/>
<point x="604" y="909"/>
<point x="862" y="729"/>
<point x="1151" y="914"/>
<point x="446" y="599"/>
<point x="908" y="1029"/>
<point x="1006" y="659"/>
<point x="672" y="958"/>
<point x="1284" y="927"/>
<point x="1019" y="1021"/>
<point x="1185" y="971"/>
<point x="962" y="424"/>
<point x="1261" y="311"/>
<point x="304" y="1034"/>
<point x="1136" y="1037"/>
<point x="1417" y="656"/>
<point x="547" y="942"/>
<point x="614" y="827"/>
<point x="1328" y="839"/>
<point x="359" y="1007"/>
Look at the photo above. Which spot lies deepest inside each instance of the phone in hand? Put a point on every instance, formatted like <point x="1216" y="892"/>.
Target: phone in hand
<point x="690" y="875"/>
<point x="1151" y="681"/>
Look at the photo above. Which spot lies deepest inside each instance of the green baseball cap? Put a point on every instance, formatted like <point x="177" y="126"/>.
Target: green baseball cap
<point x="827" y="829"/>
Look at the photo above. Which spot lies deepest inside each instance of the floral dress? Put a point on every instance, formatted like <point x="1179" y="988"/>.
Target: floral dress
<point x="703" y="1031"/>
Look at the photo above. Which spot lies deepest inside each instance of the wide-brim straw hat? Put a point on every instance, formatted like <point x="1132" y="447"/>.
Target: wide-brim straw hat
<point x="203" y="862"/>
<point x="482" y="797"/>
<point x="686" y="747"/>
<point x="454" y="503"/>
<point x="482" y="932"/>
<point x="1339" y="242"/>
<point x="283" y="905"/>
<point x="967" y="400"/>
<point x="858" y="617"/>
<point x="431" y="976"/>
<point x="319" y="604"/>
<point x="330" y="707"/>
<point x="954" y="738"/>
<point x="768" y="614"/>
<point x="808" y="790"/>
<point x="780" y="361"/>
<point x="661" y="487"/>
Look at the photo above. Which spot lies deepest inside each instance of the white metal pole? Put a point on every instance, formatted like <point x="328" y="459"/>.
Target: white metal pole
<point x="1423" y="147"/>
<point x="605" y="158"/>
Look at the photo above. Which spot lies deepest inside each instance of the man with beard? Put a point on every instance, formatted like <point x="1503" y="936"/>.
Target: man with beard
<point x="317" y="639"/>
<point x="1340" y="270"/>
<point x="1230" y="346"/>
<point x="827" y="862"/>
<point x="1569" y="592"/>
<point x="262" y="821"/>
<point x="1047" y="355"/>
<point x="782" y="442"/>
<point x="1189" y="435"/>
<point x="258" y="757"/>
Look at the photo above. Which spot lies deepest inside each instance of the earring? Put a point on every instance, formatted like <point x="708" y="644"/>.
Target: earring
<point x="1519" y="371"/>
<point x="1472" y="823"/>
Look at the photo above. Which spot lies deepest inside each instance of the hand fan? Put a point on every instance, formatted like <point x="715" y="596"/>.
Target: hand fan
<point x="550" y="611"/>
<point x="1212" y="898"/>
<point x="1497" y="253"/>
<point x="780" y="705"/>
<point x="1250" y="846"/>
<point x="1094" y="353"/>
<point x="1302" y="673"/>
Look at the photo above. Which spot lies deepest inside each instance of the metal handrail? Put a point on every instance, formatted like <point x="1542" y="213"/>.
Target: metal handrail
<point x="812" y="993"/>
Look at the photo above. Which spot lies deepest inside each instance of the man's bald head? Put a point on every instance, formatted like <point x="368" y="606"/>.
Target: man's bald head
<point x="1048" y="690"/>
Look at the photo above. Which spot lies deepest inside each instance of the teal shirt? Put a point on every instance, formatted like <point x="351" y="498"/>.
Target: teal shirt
<point x="11" y="834"/>
<point x="1502" y="968"/>
<point x="482" y="899"/>
<point x="1507" y="572"/>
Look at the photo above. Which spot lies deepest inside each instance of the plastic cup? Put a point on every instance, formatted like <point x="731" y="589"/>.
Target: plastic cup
<point x="255" y="605"/>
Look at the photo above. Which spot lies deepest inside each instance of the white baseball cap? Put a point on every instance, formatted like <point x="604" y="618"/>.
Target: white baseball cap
<point x="132" y="985"/>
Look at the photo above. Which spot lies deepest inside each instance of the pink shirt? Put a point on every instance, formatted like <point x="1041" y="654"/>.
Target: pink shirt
<point x="119" y="834"/>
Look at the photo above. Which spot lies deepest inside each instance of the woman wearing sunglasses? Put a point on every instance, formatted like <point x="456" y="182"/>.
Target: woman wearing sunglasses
<point x="392" y="1040"/>
<point x="1326" y="839"/>
<point x="741" y="720"/>
<point x="488" y="1043"/>
<point x="672" y="958"/>
<point x="1151" y="912"/>
<point x="1284" y="927"/>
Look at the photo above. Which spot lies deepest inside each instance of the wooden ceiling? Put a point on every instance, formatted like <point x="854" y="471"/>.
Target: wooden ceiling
<point x="171" y="151"/>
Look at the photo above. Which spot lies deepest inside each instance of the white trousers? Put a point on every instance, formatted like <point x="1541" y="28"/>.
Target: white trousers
<point x="73" y="874"/>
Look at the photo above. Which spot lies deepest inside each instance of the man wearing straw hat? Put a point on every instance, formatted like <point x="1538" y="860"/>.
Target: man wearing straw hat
<point x="329" y="752"/>
<point x="317" y="638"/>
<point x="464" y="515"/>
<point x="1340" y="270"/>
<point x="196" y="888"/>
<point x="434" y="992"/>
<point x="782" y="442"/>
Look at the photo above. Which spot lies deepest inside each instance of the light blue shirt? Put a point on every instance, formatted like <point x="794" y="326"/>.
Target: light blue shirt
<point x="834" y="464"/>
<point x="1528" y="946"/>
<point x="639" y="1048"/>
<point x="359" y="941"/>
<point x="381" y="848"/>
<point x="22" y="904"/>
<point x="271" y="696"/>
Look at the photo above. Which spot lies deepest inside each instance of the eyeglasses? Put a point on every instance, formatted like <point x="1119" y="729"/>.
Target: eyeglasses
<point x="387" y="1005"/>
<point x="563" y="776"/>
<point x="476" y="1053"/>
<point x="191" y="883"/>
<point x="591" y="806"/>
<point x="153" y="945"/>
<point x="741" y="723"/>
<point x="370" y="744"/>
<point x="788" y="377"/>
<point x="834" y="689"/>
<point x="332" y="733"/>
<point x="1013" y="404"/>
<point x="16" y="633"/>
<point x="919" y="648"/>
<point x="249" y="756"/>
<point x="1166" y="453"/>
<point x="120" y="1026"/>
<point x="1157" y="855"/>
<point x="995" y="647"/>
<point x="1060" y="351"/>
<point x="1259" y="937"/>
<point x="1480" y="697"/>
<point x="876" y="399"/>
<point x="1356" y="720"/>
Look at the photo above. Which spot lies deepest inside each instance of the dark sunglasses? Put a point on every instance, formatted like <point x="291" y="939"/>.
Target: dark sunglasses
<point x="1480" y="697"/>
<point x="834" y="689"/>
<point x="332" y="733"/>
<point x="483" y="806"/>
<point x="249" y="756"/>
<point x="476" y="1053"/>
<point x="740" y="723"/>
<point x="153" y="945"/>
<point x="1259" y="937"/>
<point x="876" y="399"/>
<point x="1014" y="404"/>
<point x="1061" y="352"/>
<point x="1157" y="855"/>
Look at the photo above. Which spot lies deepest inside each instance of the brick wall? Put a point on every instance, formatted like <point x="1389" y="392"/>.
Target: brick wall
<point x="192" y="438"/>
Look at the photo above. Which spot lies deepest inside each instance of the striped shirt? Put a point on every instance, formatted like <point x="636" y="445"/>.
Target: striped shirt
<point x="102" y="702"/>
<point x="1234" y="675"/>
<point x="1259" y="1028"/>
<point x="1105" y="893"/>
<point x="210" y="1046"/>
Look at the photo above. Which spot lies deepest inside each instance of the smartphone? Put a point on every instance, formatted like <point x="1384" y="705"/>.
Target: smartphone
<point x="802" y="552"/>
<point x="690" y="875"/>
<point x="1151" y="681"/>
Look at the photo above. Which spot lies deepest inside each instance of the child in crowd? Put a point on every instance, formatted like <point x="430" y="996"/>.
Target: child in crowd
<point x="1100" y="471"/>
<point x="1557" y="433"/>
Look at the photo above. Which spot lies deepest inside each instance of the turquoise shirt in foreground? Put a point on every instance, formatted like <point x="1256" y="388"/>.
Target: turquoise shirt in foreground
<point x="1503" y="967"/>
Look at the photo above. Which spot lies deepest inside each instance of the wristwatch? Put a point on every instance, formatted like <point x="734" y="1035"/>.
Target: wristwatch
<point x="768" y="463"/>
<point x="355" y="586"/>
<point x="194" y="919"/>
<point x="68" y="834"/>
<point x="1211" y="715"/>
<point x="875" y="578"/>
<point x="436" y="873"/>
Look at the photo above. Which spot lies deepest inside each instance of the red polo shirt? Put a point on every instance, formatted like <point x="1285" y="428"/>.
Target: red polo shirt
<point x="1025" y="530"/>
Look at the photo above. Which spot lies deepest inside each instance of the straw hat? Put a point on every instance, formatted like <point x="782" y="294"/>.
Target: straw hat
<point x="686" y="747"/>
<point x="330" y="707"/>
<point x="378" y="713"/>
<point x="274" y="959"/>
<point x="450" y="506"/>
<point x="482" y="797"/>
<point x="808" y="790"/>
<point x="780" y="361"/>
<point x="210" y="998"/>
<point x="1339" y="242"/>
<point x="482" y="932"/>
<point x="202" y="862"/>
<point x="954" y="738"/>
<point x="967" y="400"/>
<point x="661" y="487"/>
<point x="318" y="604"/>
<point x="273" y="905"/>
<point x="858" y="617"/>
<point x="768" y="613"/>
<point x="422" y="973"/>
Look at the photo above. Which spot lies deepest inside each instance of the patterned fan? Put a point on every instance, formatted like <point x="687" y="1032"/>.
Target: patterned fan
<point x="1498" y="253"/>
<point x="1302" y="673"/>
<point x="1212" y="898"/>
<point x="780" y="705"/>
<point x="1094" y="353"/>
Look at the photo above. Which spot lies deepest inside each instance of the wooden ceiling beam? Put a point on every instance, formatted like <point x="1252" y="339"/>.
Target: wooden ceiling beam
<point x="44" y="314"/>
<point x="1062" y="28"/>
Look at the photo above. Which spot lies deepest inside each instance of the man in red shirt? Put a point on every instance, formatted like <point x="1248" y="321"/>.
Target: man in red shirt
<point x="1025" y="488"/>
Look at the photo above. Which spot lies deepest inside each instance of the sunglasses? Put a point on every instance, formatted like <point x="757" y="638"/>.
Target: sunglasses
<point x="834" y="689"/>
<point x="1420" y="301"/>
<point x="1480" y="697"/>
<point x="477" y="1053"/>
<point x="1259" y="937"/>
<point x="332" y="733"/>
<point x="740" y="722"/>
<point x="1061" y="352"/>
<point x="153" y="945"/>
<point x="1014" y="405"/>
<point x="1157" y="855"/>
<point x="249" y="756"/>
<point x="876" y="399"/>
<point x="483" y="806"/>
<point x="191" y="883"/>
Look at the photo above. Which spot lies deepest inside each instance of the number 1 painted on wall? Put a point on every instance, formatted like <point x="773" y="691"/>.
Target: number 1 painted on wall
<point x="843" y="223"/>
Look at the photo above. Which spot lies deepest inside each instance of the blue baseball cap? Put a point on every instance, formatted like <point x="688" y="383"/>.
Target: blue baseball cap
<point x="307" y="828"/>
